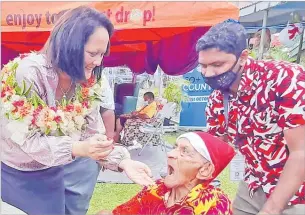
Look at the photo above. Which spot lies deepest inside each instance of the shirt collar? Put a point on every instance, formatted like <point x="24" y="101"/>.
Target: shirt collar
<point x="247" y="81"/>
<point x="48" y="64"/>
<point x="192" y="196"/>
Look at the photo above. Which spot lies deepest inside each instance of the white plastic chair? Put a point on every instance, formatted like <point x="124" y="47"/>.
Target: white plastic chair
<point x="9" y="209"/>
<point x="166" y="112"/>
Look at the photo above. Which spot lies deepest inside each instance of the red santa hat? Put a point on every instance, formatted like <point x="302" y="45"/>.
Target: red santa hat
<point x="211" y="148"/>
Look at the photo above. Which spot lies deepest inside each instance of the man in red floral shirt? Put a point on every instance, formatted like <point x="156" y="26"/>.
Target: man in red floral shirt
<point x="267" y="101"/>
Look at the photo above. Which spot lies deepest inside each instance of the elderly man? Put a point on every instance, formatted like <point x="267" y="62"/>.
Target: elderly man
<point x="146" y="112"/>
<point x="259" y="105"/>
<point x="196" y="160"/>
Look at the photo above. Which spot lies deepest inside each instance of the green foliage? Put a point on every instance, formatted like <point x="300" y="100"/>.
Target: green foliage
<point x="253" y="54"/>
<point x="277" y="53"/>
<point x="173" y="93"/>
<point x="156" y="91"/>
<point x="36" y="101"/>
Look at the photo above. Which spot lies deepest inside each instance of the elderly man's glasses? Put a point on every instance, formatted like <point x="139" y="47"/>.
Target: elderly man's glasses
<point x="185" y="151"/>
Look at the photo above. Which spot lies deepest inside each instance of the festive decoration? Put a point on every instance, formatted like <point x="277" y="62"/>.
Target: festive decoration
<point x="28" y="113"/>
<point x="291" y="34"/>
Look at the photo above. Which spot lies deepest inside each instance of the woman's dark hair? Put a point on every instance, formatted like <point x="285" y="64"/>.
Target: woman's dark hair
<point x="65" y="46"/>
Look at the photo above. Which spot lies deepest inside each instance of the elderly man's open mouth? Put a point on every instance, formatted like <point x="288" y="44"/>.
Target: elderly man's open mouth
<point x="170" y="170"/>
<point x="167" y="171"/>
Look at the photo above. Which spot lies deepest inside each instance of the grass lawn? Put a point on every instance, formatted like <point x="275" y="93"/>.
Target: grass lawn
<point x="107" y="196"/>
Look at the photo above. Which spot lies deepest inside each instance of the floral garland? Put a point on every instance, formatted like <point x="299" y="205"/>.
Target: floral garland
<point x="29" y="114"/>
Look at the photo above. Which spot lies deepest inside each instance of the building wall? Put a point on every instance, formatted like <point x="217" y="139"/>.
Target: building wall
<point x="242" y="4"/>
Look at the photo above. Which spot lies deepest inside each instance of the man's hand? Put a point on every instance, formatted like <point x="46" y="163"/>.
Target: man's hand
<point x="137" y="171"/>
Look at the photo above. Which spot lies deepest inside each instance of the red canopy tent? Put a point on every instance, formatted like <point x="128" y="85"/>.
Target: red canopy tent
<point x="147" y="34"/>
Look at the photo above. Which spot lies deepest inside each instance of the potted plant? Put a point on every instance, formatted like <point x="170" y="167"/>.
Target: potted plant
<point x="173" y="93"/>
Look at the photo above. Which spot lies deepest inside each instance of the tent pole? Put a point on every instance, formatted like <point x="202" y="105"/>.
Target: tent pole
<point x="160" y="82"/>
<point x="134" y="78"/>
<point x="300" y="45"/>
<point x="261" y="47"/>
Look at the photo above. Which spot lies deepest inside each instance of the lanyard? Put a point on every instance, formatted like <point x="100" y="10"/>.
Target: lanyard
<point x="226" y="107"/>
<point x="226" y="104"/>
<point x="237" y="165"/>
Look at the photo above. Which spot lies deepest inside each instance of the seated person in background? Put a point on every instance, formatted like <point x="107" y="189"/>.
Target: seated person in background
<point x="196" y="160"/>
<point x="146" y="112"/>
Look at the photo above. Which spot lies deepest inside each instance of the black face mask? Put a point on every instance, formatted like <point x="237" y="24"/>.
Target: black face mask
<point x="224" y="81"/>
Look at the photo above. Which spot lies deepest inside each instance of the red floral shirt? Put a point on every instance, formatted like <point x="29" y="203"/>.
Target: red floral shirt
<point x="216" y="123"/>
<point x="270" y="99"/>
<point x="201" y="200"/>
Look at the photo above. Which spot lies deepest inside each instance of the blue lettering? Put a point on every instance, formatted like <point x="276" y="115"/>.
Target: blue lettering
<point x="184" y="87"/>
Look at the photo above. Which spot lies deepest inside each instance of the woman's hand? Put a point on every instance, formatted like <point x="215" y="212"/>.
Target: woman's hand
<point x="97" y="147"/>
<point x="137" y="171"/>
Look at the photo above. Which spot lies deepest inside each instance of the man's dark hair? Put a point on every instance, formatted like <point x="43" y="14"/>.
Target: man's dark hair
<point x="230" y="37"/>
<point x="149" y="95"/>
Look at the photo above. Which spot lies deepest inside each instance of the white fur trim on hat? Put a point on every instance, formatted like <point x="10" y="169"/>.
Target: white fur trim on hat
<point x="198" y="143"/>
